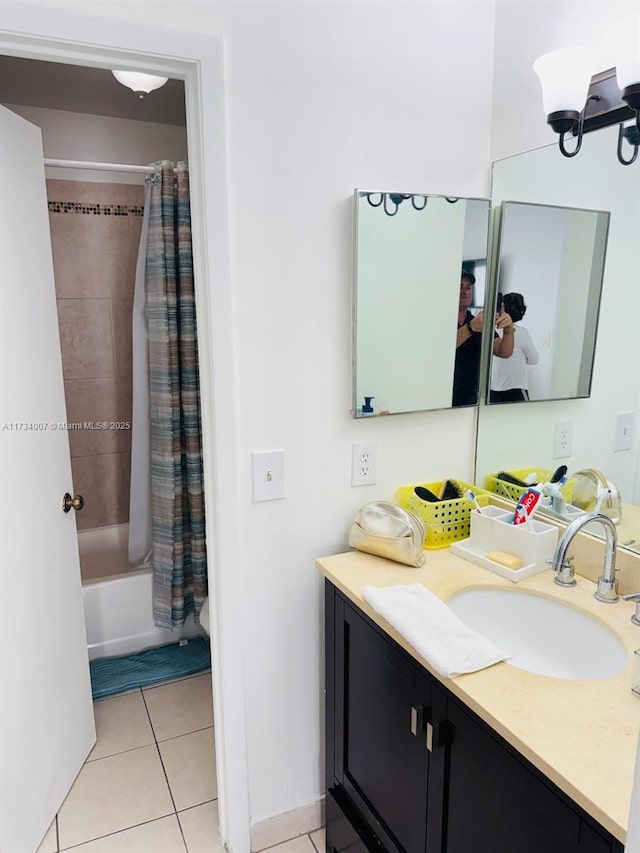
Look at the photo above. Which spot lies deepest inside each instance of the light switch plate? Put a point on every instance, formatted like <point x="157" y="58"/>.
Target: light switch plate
<point x="268" y="475"/>
<point x="624" y="431"/>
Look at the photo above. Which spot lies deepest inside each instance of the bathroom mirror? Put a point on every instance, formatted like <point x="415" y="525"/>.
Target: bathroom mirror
<point x="603" y="430"/>
<point x="409" y="253"/>
<point x="549" y="278"/>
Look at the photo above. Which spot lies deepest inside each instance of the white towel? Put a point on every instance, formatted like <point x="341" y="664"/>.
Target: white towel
<point x="432" y="629"/>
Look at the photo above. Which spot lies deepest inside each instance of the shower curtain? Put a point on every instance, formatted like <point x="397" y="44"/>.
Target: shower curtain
<point x="178" y="558"/>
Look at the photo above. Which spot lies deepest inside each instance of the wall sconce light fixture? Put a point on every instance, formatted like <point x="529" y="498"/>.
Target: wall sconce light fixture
<point x="391" y="201"/>
<point x="578" y="100"/>
<point x="139" y="83"/>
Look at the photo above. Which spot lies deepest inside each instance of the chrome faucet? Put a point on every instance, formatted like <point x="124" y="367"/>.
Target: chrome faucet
<point x="607" y="590"/>
<point x="634" y="596"/>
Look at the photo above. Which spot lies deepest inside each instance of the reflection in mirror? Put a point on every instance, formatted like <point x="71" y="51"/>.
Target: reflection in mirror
<point x="410" y="250"/>
<point x="601" y="432"/>
<point x="550" y="267"/>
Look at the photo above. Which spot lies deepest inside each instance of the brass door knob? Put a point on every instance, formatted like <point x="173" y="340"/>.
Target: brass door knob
<point x="72" y="503"/>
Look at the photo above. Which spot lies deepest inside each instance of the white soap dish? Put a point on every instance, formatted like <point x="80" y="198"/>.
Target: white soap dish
<point x="492" y="530"/>
<point x="465" y="549"/>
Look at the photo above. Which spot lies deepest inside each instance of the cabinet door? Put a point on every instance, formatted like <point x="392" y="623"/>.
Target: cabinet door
<point x="382" y="759"/>
<point x="496" y="803"/>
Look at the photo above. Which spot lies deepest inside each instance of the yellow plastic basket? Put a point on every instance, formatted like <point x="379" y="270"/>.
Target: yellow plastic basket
<point x="512" y="492"/>
<point x="446" y="521"/>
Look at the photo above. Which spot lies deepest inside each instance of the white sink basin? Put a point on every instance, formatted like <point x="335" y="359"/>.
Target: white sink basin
<point x="542" y="635"/>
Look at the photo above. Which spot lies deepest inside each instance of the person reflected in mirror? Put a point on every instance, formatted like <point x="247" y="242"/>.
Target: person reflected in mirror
<point x="469" y="343"/>
<point x="509" y="381"/>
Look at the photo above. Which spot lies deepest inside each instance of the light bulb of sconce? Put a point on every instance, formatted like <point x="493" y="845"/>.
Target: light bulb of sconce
<point x="623" y="39"/>
<point x="139" y="83"/>
<point x="565" y="75"/>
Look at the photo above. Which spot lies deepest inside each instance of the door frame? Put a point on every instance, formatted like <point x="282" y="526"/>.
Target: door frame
<point x="55" y="35"/>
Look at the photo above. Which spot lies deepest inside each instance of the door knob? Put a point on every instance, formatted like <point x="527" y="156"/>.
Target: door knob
<point x="72" y="503"/>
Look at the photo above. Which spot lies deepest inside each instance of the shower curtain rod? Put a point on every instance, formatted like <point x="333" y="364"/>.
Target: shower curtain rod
<point x="100" y="167"/>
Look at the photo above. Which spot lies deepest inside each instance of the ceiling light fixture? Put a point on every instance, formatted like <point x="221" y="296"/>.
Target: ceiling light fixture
<point x="140" y="83"/>
<point x="578" y="100"/>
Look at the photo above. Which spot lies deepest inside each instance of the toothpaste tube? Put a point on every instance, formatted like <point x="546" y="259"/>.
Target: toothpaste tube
<point x="526" y="506"/>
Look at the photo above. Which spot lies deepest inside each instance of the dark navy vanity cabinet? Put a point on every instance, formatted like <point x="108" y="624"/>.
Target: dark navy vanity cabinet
<point x="410" y="769"/>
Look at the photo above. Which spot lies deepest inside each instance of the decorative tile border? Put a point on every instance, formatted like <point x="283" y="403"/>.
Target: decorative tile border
<point x="96" y="209"/>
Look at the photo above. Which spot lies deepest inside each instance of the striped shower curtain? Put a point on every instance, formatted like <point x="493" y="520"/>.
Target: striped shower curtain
<point x="179" y="559"/>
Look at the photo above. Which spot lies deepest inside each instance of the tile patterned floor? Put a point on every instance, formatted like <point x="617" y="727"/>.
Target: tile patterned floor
<point x="149" y="784"/>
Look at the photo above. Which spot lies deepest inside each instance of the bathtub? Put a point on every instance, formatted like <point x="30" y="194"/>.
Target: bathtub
<point x="118" y="599"/>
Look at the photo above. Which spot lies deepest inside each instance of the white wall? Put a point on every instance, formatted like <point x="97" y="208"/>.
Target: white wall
<point x="102" y="139"/>
<point x="321" y="98"/>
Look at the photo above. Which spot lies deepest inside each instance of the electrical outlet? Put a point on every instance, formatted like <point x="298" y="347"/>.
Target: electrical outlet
<point x="562" y="439"/>
<point x="364" y="463"/>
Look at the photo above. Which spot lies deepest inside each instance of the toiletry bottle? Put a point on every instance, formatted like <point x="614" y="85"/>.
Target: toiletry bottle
<point x="367" y="408"/>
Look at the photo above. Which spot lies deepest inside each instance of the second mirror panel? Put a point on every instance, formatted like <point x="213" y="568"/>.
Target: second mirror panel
<point x="550" y="268"/>
<point x="599" y="432"/>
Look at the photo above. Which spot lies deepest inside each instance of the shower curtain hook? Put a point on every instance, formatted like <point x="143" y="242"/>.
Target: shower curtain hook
<point x="155" y="177"/>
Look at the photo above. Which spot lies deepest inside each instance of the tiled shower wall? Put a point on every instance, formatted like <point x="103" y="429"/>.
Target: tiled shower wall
<point x="95" y="232"/>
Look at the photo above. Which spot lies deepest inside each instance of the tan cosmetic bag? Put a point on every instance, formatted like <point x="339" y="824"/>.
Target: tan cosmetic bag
<point x="386" y="530"/>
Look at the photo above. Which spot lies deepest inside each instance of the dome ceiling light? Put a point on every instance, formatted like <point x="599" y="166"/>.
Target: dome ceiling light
<point x="139" y="83"/>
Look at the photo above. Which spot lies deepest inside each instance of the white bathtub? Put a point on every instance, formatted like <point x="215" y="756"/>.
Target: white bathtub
<point x="104" y="552"/>
<point x="117" y="599"/>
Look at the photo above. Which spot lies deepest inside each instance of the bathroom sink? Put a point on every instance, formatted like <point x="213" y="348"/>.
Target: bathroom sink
<point x="542" y="635"/>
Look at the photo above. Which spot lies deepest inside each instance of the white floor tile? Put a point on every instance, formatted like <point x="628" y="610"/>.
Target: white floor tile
<point x="50" y="841"/>
<point x="122" y="723"/>
<point x="189" y="762"/>
<point x="296" y="845"/>
<point x="319" y="838"/>
<point x="158" y="836"/>
<point x="114" y="793"/>
<point x="200" y="827"/>
<point x="180" y="707"/>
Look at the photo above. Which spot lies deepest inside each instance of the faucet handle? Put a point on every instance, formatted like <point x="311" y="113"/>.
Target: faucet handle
<point x="607" y="590"/>
<point x="565" y="573"/>
<point x="634" y="596"/>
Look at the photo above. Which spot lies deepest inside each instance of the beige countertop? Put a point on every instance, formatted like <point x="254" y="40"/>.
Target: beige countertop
<point x="581" y="734"/>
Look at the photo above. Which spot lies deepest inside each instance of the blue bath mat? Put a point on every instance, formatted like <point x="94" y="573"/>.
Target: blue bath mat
<point x="110" y="676"/>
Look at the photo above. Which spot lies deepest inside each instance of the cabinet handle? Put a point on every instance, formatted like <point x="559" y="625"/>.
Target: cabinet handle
<point x="436" y="735"/>
<point x="429" y="737"/>
<point x="417" y="720"/>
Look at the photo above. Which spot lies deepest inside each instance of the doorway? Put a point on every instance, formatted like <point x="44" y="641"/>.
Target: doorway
<point x="48" y="41"/>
